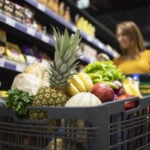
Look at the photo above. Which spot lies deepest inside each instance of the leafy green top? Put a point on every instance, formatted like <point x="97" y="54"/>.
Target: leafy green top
<point x="104" y="71"/>
<point x="65" y="59"/>
<point x="18" y="100"/>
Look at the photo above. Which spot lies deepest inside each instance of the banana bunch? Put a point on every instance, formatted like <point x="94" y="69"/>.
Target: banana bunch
<point x="80" y="82"/>
<point x="131" y="87"/>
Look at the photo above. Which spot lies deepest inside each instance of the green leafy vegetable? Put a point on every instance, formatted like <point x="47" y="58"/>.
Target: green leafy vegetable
<point x="103" y="71"/>
<point x="18" y="100"/>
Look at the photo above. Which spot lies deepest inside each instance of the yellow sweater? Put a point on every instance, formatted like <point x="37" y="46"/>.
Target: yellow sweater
<point x="138" y="65"/>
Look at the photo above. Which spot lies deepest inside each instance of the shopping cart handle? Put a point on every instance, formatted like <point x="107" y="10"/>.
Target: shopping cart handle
<point x="127" y="105"/>
<point x="132" y="105"/>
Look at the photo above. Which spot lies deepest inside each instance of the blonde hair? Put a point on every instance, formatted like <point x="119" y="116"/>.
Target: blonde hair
<point x="130" y="29"/>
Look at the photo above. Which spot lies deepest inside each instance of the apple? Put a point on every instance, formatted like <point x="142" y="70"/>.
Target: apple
<point x="129" y="104"/>
<point x="103" y="91"/>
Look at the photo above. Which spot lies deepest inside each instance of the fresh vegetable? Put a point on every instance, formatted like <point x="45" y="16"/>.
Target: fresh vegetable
<point x="119" y="90"/>
<point x="129" y="104"/>
<point x="103" y="91"/>
<point x="103" y="71"/>
<point x="18" y="100"/>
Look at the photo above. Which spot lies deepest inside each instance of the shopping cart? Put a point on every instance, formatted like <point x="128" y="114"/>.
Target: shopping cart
<point x="104" y="127"/>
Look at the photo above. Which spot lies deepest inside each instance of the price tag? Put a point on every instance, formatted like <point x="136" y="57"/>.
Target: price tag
<point x="100" y="45"/>
<point x="74" y="28"/>
<point x="1" y="62"/>
<point x="31" y="31"/>
<point x="10" y="21"/>
<point x="9" y="65"/>
<point x="89" y="38"/>
<point x="45" y="38"/>
<point x="41" y="7"/>
<point x="20" y="68"/>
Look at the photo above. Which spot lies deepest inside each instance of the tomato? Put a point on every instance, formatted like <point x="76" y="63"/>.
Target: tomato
<point x="129" y="104"/>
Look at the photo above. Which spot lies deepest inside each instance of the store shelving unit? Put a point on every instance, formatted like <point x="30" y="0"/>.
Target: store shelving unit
<point x="11" y="65"/>
<point x="93" y="41"/>
<point x="25" y="29"/>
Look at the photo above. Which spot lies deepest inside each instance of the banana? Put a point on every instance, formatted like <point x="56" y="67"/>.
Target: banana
<point x="86" y="80"/>
<point x="127" y="89"/>
<point x="130" y="87"/>
<point x="76" y="81"/>
<point x="135" y="90"/>
<point x="72" y="90"/>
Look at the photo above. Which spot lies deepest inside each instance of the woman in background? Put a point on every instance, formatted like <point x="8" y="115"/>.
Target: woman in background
<point x="134" y="57"/>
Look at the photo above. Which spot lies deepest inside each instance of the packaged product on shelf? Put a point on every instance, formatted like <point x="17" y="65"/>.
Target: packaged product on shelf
<point x="67" y="14"/>
<point x="19" y="13"/>
<point x="31" y="54"/>
<point x="76" y="19"/>
<point x="79" y="23"/>
<point x="1" y="4"/>
<point x="44" y="2"/>
<point x="89" y="52"/>
<point x="14" y="53"/>
<point x="2" y="49"/>
<point x="3" y="39"/>
<point x="44" y="30"/>
<point x="3" y="36"/>
<point x="56" y="6"/>
<point x="34" y="25"/>
<point x="50" y="4"/>
<point x="39" y="27"/>
<point x="29" y="16"/>
<point x="9" y="8"/>
<point x="91" y="30"/>
<point x="102" y="57"/>
<point x="84" y="25"/>
<point x="61" y="8"/>
<point x="44" y="56"/>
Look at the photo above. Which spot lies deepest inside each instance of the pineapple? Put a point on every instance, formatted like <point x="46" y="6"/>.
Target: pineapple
<point x="62" y="68"/>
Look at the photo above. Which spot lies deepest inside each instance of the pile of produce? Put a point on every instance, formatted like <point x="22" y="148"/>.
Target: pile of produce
<point x="59" y="84"/>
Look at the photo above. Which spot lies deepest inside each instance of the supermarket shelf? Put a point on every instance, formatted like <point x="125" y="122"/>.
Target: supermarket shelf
<point x="23" y="28"/>
<point x="27" y="30"/>
<point x="11" y="65"/>
<point x="95" y="42"/>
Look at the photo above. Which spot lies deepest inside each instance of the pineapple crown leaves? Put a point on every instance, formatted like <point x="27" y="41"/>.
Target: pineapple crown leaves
<point x="65" y="59"/>
<point x="65" y="47"/>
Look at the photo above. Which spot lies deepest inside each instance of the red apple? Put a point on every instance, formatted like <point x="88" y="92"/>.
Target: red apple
<point x="103" y="91"/>
<point x="129" y="104"/>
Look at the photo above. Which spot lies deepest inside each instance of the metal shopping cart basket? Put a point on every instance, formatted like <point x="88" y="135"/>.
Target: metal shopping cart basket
<point x="105" y="127"/>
